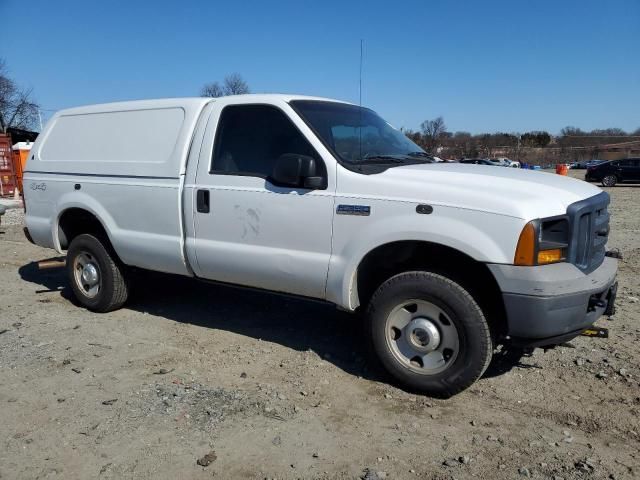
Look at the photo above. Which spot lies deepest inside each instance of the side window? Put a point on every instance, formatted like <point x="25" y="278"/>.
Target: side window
<point x="250" y="138"/>
<point x="625" y="163"/>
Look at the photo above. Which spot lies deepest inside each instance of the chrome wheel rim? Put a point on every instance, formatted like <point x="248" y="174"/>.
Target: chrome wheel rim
<point x="422" y="337"/>
<point x="87" y="274"/>
<point x="609" y="181"/>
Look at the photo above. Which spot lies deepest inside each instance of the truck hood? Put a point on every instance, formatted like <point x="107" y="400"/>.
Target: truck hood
<point x="525" y="194"/>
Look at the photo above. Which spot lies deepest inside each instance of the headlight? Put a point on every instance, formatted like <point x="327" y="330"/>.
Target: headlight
<point x="542" y="242"/>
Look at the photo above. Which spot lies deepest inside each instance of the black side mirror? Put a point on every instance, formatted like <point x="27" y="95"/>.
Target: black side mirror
<point x="293" y="170"/>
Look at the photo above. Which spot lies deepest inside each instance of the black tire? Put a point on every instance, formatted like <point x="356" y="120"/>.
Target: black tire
<point x="113" y="285"/>
<point x="474" y="344"/>
<point x="609" y="181"/>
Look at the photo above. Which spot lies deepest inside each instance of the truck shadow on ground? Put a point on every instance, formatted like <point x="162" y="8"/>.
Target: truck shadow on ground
<point x="295" y="323"/>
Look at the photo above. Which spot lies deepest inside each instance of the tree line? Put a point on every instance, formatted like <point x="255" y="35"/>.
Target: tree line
<point x="435" y="138"/>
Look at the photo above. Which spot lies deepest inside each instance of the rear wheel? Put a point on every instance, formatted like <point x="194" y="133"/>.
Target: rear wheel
<point x="97" y="277"/>
<point x="609" y="181"/>
<point x="429" y="333"/>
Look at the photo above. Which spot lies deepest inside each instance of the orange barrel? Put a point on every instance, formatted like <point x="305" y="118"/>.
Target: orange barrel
<point x="562" y="169"/>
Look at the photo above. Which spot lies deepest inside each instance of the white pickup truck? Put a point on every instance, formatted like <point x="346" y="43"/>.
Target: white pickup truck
<point x="323" y="199"/>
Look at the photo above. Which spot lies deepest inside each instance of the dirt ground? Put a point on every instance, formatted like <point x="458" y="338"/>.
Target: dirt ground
<point x="261" y="386"/>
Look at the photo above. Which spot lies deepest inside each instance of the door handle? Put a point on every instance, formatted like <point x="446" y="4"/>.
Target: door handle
<point x="202" y="201"/>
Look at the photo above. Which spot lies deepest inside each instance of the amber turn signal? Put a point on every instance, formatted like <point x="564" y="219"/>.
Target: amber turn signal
<point x="549" y="256"/>
<point x="525" y="251"/>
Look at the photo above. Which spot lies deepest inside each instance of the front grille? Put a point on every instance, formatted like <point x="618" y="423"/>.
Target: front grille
<point x="589" y="227"/>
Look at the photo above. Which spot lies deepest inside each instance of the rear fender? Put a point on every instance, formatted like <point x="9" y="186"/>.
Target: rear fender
<point x="77" y="199"/>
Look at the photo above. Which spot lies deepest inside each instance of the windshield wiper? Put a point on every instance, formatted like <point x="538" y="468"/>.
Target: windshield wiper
<point x="381" y="159"/>
<point x="419" y="154"/>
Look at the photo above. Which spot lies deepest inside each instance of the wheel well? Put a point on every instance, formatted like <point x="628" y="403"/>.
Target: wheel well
<point x="76" y="221"/>
<point x="392" y="258"/>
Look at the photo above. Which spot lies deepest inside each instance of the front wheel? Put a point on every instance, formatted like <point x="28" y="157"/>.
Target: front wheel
<point x="429" y="333"/>
<point x="609" y="181"/>
<point x="97" y="277"/>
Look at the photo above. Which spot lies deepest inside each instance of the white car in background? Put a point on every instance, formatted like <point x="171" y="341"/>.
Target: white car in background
<point x="505" y="162"/>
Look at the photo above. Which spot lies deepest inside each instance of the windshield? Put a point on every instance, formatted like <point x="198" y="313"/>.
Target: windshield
<point x="358" y="136"/>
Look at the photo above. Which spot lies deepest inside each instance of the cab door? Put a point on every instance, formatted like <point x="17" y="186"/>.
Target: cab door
<point x="247" y="230"/>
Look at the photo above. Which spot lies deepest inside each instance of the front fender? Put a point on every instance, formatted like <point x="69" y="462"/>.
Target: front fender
<point x="485" y="237"/>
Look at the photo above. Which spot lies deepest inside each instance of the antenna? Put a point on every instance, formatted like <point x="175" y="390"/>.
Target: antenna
<point x="360" y="89"/>
<point x="360" y="100"/>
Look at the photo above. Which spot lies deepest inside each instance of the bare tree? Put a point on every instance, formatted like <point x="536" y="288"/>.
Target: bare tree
<point x="432" y="130"/>
<point x="234" y="84"/>
<point x="212" y="90"/>
<point x="608" y="132"/>
<point x="17" y="109"/>
<point x="415" y="137"/>
<point x="572" y="132"/>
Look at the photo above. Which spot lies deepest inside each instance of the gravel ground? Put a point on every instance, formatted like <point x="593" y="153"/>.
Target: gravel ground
<point x="13" y="216"/>
<point x="199" y="381"/>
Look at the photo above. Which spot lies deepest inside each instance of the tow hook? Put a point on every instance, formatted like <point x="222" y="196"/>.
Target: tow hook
<point x="596" y="332"/>
<point x="615" y="253"/>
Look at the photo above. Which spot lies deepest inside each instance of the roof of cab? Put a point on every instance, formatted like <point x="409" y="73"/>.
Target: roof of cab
<point x="188" y="102"/>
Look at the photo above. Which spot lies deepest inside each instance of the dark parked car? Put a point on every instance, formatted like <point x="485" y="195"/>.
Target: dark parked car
<point x="586" y="164"/>
<point x="615" y="171"/>
<point x="595" y="163"/>
<point x="580" y="165"/>
<point x="478" y="161"/>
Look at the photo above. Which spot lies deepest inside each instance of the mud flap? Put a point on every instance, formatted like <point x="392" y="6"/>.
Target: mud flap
<point x="611" y="300"/>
